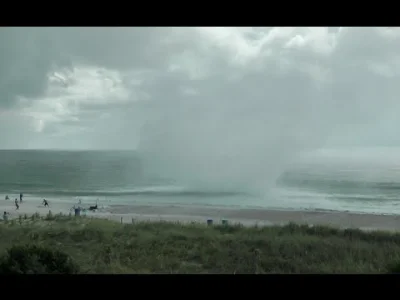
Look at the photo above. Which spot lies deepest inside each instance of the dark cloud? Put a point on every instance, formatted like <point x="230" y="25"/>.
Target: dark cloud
<point x="28" y="55"/>
<point x="25" y="60"/>
<point x="289" y="88"/>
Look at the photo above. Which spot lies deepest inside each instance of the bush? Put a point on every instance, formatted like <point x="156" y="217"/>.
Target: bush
<point x="33" y="259"/>
<point x="50" y="216"/>
<point x="394" y="268"/>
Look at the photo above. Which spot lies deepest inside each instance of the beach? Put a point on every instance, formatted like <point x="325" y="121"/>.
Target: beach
<point x="180" y="213"/>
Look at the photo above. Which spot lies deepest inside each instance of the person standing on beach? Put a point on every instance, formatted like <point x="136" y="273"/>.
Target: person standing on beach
<point x="16" y="203"/>
<point x="20" y="197"/>
<point x="7" y="198"/>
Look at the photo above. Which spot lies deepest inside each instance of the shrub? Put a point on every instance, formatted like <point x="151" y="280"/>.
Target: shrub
<point x="394" y="268"/>
<point x="50" y="216"/>
<point x="33" y="259"/>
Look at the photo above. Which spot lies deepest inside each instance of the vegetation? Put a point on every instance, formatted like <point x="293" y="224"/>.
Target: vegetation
<point x="65" y="244"/>
<point x="33" y="259"/>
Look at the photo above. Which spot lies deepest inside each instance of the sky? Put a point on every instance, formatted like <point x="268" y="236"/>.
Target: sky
<point x="206" y="91"/>
<point x="95" y="88"/>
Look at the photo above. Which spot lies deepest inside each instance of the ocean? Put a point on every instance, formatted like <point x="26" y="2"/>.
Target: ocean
<point x="363" y="181"/>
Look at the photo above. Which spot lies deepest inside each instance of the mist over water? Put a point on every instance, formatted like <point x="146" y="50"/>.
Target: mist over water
<point x="243" y="143"/>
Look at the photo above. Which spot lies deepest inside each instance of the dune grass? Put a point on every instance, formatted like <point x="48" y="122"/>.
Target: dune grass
<point x="102" y="246"/>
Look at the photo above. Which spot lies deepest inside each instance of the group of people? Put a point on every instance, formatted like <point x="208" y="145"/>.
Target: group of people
<point x="45" y="202"/>
<point x="16" y="201"/>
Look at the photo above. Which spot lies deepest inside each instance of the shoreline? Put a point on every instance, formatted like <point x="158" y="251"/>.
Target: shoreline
<point x="187" y="214"/>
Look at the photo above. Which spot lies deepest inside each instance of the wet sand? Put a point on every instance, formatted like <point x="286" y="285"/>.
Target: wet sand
<point x="265" y="217"/>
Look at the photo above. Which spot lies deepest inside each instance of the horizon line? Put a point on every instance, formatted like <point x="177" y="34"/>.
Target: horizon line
<point x="65" y="149"/>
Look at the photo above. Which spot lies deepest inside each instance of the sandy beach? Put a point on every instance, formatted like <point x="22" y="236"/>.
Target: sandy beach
<point x="264" y="217"/>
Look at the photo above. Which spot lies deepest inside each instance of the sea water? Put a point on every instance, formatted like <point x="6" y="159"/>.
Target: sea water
<point x="337" y="180"/>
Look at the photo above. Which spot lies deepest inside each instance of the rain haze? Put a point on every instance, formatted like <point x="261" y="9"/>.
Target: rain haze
<point x="211" y="107"/>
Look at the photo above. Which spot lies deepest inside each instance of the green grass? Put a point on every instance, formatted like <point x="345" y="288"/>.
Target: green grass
<point x="102" y="246"/>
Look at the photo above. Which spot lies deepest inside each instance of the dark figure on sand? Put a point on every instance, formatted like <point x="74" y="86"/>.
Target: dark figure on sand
<point x="20" y="197"/>
<point x="7" y="198"/>
<point x="16" y="203"/>
<point x="5" y="216"/>
<point x="93" y="207"/>
<point x="45" y="203"/>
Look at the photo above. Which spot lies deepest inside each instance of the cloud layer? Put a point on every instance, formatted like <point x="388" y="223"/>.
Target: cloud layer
<point x="236" y="101"/>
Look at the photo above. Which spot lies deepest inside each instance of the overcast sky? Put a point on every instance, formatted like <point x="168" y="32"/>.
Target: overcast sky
<point x="199" y="89"/>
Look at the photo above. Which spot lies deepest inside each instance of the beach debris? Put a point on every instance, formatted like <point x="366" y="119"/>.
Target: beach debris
<point x="209" y="222"/>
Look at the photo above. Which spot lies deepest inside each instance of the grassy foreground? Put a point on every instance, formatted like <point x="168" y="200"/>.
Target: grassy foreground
<point x="60" y="244"/>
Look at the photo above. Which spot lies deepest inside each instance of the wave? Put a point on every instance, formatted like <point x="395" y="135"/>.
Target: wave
<point x="342" y="184"/>
<point x="143" y="191"/>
